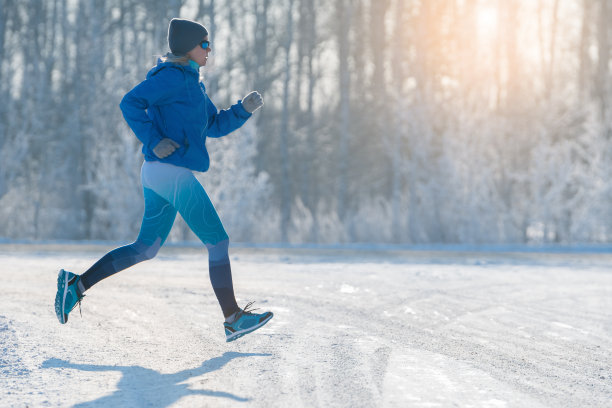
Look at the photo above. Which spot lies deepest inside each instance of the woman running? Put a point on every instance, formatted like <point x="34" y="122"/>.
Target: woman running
<point x="172" y="116"/>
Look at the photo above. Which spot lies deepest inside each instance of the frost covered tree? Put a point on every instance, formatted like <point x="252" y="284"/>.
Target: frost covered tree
<point x="388" y="121"/>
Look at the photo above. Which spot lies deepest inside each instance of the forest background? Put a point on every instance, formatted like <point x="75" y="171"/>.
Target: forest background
<point x="385" y="121"/>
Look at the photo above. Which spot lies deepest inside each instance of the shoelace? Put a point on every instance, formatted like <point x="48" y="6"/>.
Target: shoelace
<point x="78" y="303"/>
<point x="247" y="309"/>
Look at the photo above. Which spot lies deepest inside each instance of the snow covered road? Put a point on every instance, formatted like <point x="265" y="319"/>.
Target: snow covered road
<point x="351" y="329"/>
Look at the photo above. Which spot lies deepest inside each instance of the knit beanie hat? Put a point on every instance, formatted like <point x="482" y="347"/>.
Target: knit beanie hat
<point x="183" y="35"/>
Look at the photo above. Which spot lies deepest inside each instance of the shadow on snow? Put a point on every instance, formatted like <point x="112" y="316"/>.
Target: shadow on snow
<point x="141" y="386"/>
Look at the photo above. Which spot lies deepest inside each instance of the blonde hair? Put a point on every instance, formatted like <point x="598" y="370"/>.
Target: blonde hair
<point x="177" y="59"/>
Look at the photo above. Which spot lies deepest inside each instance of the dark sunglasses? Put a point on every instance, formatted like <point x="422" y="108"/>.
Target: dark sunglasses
<point x="205" y="44"/>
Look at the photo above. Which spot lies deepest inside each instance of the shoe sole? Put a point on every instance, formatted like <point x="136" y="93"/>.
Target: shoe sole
<point x="239" y="334"/>
<point x="60" y="297"/>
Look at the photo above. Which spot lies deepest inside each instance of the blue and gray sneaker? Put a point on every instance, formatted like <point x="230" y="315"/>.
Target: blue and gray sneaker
<point x="244" y="322"/>
<point x="68" y="295"/>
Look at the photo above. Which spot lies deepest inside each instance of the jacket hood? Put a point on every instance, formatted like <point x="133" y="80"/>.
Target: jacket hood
<point x="161" y="65"/>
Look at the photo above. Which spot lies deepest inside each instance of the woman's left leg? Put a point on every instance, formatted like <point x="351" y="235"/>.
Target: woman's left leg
<point x="201" y="216"/>
<point x="220" y="273"/>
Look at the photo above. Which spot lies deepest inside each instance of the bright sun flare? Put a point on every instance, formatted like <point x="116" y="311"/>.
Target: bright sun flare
<point x="487" y="20"/>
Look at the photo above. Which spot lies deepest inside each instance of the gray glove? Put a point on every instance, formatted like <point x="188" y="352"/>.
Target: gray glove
<point x="252" y="102"/>
<point x="165" y="148"/>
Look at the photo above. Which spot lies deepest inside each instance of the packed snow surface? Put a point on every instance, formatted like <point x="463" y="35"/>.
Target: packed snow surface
<point x="351" y="328"/>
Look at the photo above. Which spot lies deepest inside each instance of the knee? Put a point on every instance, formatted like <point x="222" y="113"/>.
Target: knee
<point x="146" y="251"/>
<point x="218" y="251"/>
<point x="150" y="252"/>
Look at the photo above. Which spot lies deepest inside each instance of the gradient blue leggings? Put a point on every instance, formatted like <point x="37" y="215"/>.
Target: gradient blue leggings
<point x="168" y="189"/>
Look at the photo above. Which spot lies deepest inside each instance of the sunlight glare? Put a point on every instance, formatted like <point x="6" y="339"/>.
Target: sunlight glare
<point x="487" y="20"/>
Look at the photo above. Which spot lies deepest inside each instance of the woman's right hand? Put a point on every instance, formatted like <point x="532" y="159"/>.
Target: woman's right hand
<point x="165" y="148"/>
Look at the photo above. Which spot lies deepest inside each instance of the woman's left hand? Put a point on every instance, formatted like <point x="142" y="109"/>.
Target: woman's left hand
<point x="252" y="102"/>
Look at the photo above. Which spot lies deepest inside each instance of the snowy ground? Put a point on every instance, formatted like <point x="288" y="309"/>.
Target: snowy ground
<point x="352" y="328"/>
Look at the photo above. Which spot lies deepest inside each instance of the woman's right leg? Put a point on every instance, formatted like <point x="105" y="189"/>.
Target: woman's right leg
<point x="179" y="186"/>
<point x="157" y="221"/>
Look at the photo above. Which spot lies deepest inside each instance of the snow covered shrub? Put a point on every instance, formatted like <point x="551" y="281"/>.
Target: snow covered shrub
<point x="240" y="195"/>
<point x="117" y="213"/>
<point x="302" y="223"/>
<point x="373" y="221"/>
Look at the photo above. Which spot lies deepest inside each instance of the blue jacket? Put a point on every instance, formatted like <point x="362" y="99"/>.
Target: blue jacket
<point x="172" y="103"/>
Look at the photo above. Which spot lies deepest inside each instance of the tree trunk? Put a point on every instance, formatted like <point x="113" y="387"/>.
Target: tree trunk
<point x="550" y="71"/>
<point x="603" y="48"/>
<point x="585" y="60"/>
<point x="284" y="132"/>
<point x="398" y="49"/>
<point x="311" y="188"/>
<point x="344" y="9"/>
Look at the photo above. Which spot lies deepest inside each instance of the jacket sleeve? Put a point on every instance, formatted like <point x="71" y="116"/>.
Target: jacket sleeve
<point x="223" y="122"/>
<point x="158" y="89"/>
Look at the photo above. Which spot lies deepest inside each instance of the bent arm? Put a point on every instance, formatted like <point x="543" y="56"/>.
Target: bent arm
<point x="223" y="122"/>
<point x="156" y="90"/>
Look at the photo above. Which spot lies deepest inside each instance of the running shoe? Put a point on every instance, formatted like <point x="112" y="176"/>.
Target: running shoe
<point x="68" y="295"/>
<point x="245" y="322"/>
